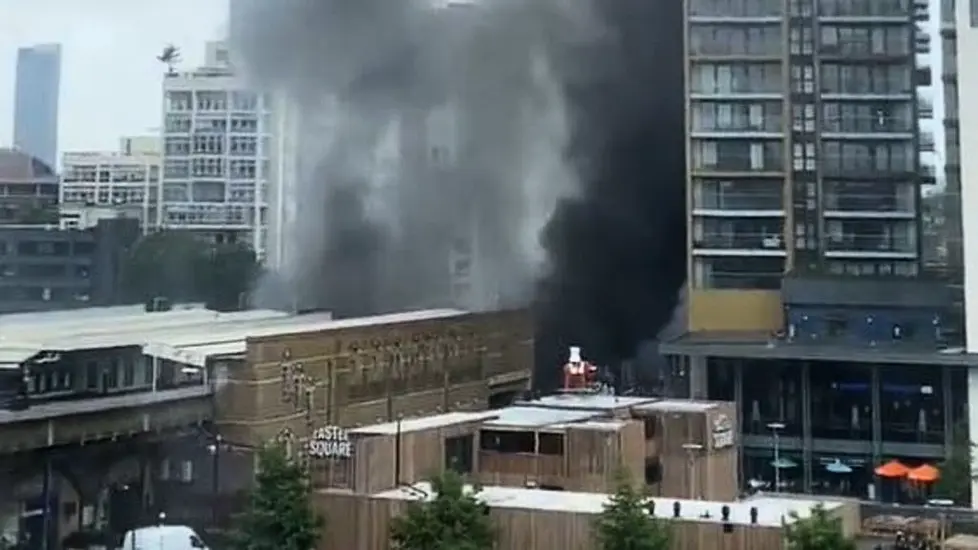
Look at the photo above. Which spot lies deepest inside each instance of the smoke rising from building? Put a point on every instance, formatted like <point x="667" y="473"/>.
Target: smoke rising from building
<point x="617" y="251"/>
<point x="372" y="241"/>
<point x="565" y="183"/>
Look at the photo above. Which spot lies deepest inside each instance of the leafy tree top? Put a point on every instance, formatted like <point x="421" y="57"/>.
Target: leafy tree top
<point x="453" y="519"/>
<point x="178" y="266"/>
<point x="820" y="531"/>
<point x="626" y="524"/>
<point x="280" y="515"/>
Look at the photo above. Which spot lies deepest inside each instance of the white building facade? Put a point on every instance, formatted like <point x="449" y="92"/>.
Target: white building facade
<point x="216" y="172"/>
<point x="111" y="184"/>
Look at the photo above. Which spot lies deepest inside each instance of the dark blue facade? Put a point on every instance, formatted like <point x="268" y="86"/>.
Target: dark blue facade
<point x="36" y="101"/>
<point x="861" y="326"/>
<point x="871" y="313"/>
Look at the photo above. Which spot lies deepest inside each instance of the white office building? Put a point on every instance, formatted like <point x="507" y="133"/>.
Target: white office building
<point x="216" y="141"/>
<point x="111" y="184"/>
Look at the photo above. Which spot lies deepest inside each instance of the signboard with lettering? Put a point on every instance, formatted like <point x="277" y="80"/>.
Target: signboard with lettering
<point x="330" y="442"/>
<point x="723" y="432"/>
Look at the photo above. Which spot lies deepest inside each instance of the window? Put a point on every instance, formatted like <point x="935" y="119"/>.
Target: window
<point x="836" y="327"/>
<point x="734" y="78"/>
<point x="973" y="13"/>
<point x="735" y="39"/>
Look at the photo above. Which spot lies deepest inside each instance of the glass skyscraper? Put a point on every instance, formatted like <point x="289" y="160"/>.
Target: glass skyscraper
<point x="36" y="101"/>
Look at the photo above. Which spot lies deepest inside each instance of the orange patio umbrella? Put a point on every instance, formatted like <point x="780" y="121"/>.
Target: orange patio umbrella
<point x="892" y="469"/>
<point x="924" y="474"/>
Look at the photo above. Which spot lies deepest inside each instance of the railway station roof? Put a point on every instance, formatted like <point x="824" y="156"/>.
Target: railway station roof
<point x="187" y="334"/>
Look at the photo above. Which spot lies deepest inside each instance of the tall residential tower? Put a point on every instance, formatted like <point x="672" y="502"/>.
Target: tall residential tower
<point x="808" y="303"/>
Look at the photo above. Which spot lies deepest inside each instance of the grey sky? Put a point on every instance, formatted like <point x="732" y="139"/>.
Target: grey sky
<point x="110" y="80"/>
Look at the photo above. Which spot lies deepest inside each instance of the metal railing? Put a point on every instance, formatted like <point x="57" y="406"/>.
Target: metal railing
<point x="870" y="243"/>
<point x="755" y="281"/>
<point x="738" y="201"/>
<point x="751" y="241"/>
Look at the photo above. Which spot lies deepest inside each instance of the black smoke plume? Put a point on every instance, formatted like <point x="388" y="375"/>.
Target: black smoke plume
<point x="568" y="173"/>
<point x="617" y="251"/>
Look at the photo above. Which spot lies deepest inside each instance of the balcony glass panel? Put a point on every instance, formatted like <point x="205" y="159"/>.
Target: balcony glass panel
<point x="865" y="8"/>
<point x="870" y="236"/>
<point x="744" y="234"/>
<point x="869" y="196"/>
<point x="711" y="194"/>
<point x="867" y="117"/>
<point x="737" y="116"/>
<point x="840" y="78"/>
<point x="738" y="156"/>
<point x="861" y="158"/>
<point x="743" y="272"/>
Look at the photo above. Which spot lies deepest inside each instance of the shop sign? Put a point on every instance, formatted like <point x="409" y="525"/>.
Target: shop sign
<point x="723" y="433"/>
<point x="331" y="442"/>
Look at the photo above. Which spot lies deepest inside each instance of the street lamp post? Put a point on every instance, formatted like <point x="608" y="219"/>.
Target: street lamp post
<point x="215" y="450"/>
<point x="775" y="427"/>
<point x="692" y="449"/>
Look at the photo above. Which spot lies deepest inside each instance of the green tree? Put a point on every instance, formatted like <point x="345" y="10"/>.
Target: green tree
<point x="179" y="267"/>
<point x="280" y="514"/>
<point x="225" y="275"/>
<point x="820" y="531"/>
<point x="452" y="519"/>
<point x="956" y="476"/>
<point x="625" y="522"/>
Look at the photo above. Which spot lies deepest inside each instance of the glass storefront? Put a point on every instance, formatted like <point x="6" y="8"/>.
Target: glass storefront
<point x="917" y="403"/>
<point x="842" y="401"/>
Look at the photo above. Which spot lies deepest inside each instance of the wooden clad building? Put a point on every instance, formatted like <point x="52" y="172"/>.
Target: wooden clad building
<point x="560" y="520"/>
<point x="364" y="371"/>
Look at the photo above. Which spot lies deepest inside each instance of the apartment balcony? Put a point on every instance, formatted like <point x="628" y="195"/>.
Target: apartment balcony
<point x="869" y="207"/>
<point x="870" y="246"/>
<point x="739" y="244"/>
<point x="925" y="108"/>
<point x="921" y="10"/>
<point x="738" y="198"/>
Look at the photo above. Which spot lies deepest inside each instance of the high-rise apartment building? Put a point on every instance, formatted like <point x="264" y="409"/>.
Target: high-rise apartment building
<point x="111" y="184"/>
<point x="807" y="300"/>
<point x="216" y="172"/>
<point x="959" y="34"/>
<point x="36" y="95"/>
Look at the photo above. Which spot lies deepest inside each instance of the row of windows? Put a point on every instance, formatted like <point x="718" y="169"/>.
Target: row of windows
<point x="735" y="40"/>
<point x="737" y="116"/>
<point x="831" y="8"/>
<point x="105" y="195"/>
<point x="212" y="144"/>
<point x="869" y="157"/>
<point x="726" y="78"/>
<point x="46" y="248"/>
<point x="209" y="167"/>
<point x="111" y="173"/>
<point x="738" y="155"/>
<point x="865" y="79"/>
<point x="43" y="270"/>
<point x="868" y="117"/>
<point x="212" y="100"/>
<point x="767" y="273"/>
<point x="863" y="40"/>
<point x="735" y="8"/>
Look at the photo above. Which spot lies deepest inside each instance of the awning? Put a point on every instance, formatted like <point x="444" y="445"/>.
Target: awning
<point x="924" y="474"/>
<point x="892" y="469"/>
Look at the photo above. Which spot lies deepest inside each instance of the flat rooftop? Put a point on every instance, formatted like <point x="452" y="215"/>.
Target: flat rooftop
<point x="771" y="512"/>
<point x="587" y="402"/>
<point x="536" y="417"/>
<point x="678" y="405"/>
<point x="424" y="423"/>
<point x="187" y="333"/>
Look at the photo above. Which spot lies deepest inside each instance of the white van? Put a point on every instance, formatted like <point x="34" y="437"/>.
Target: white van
<point x="163" y="537"/>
